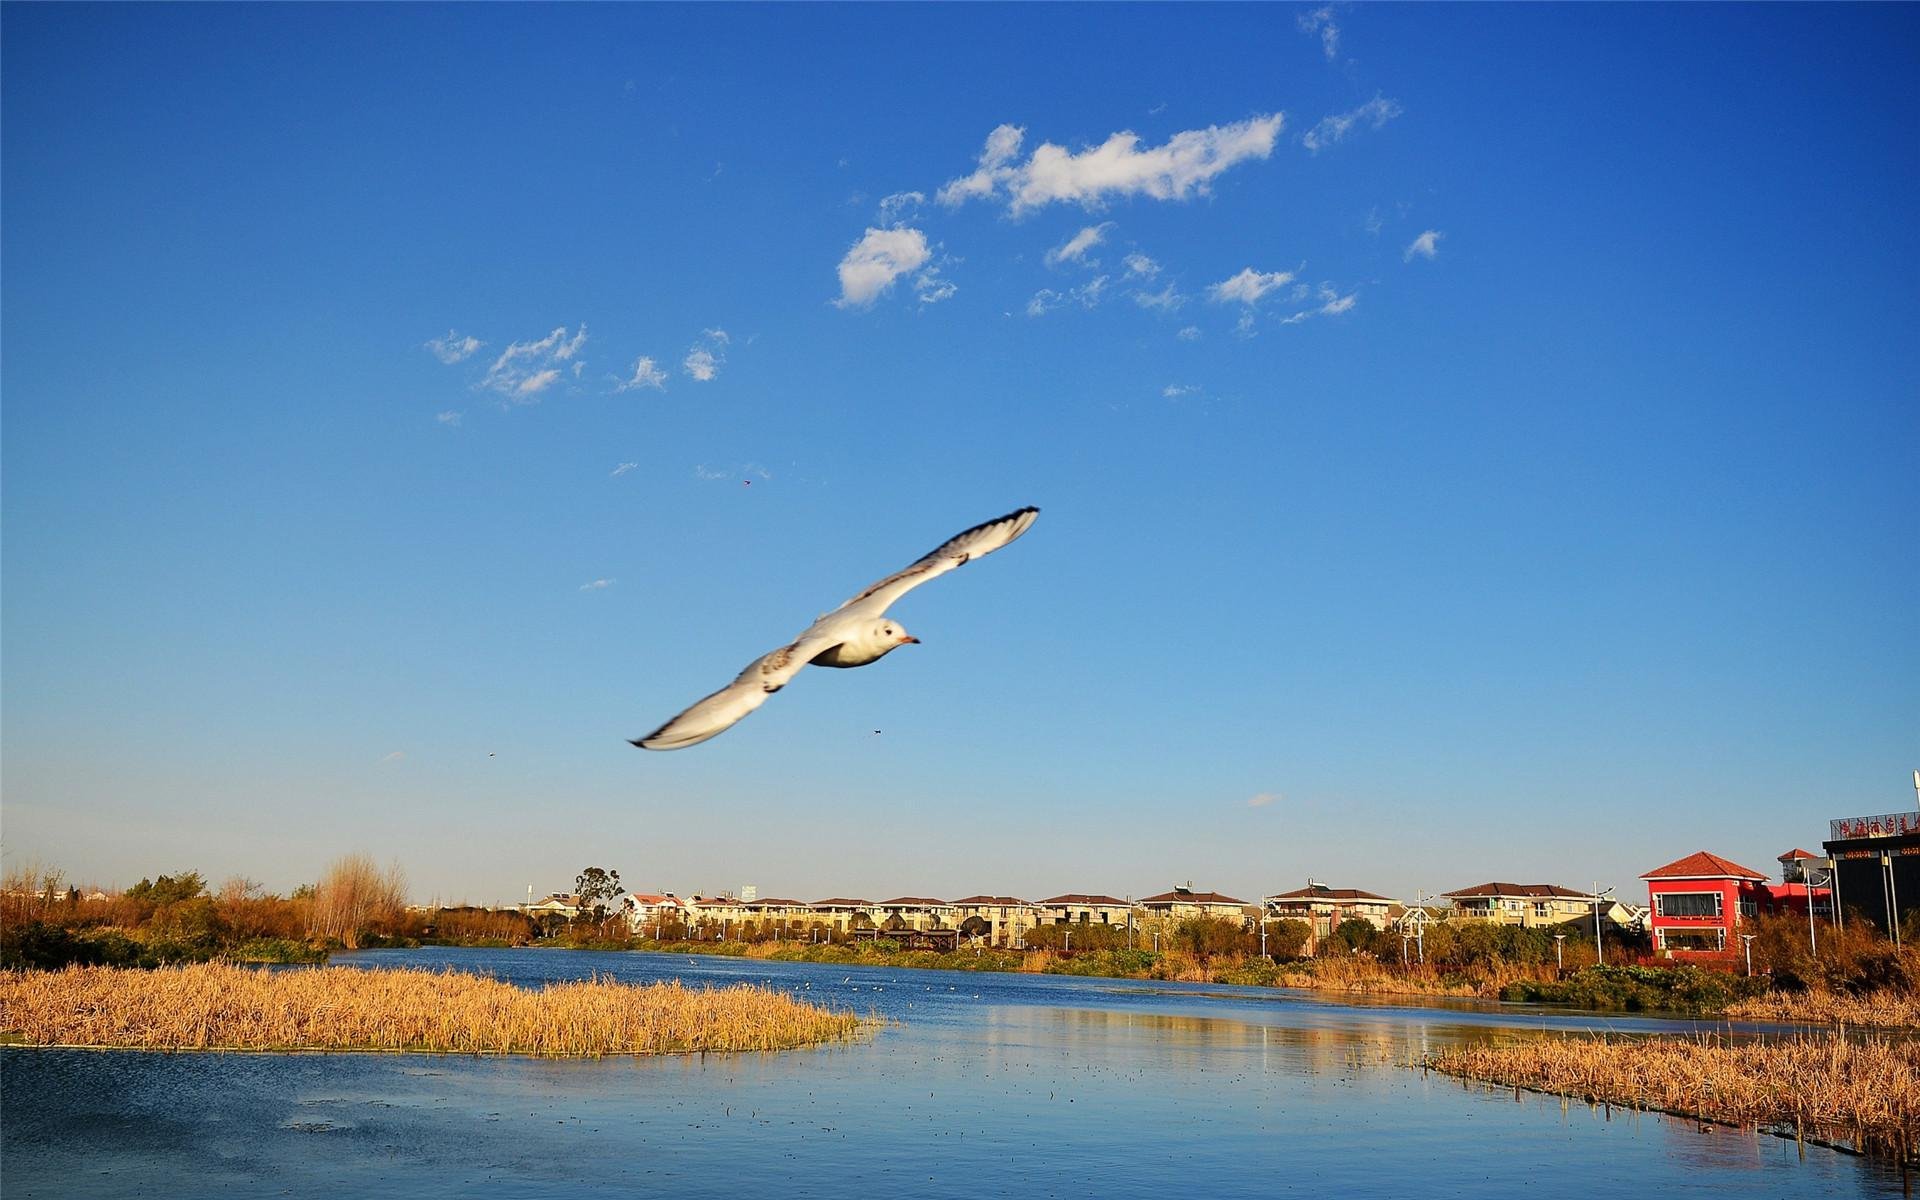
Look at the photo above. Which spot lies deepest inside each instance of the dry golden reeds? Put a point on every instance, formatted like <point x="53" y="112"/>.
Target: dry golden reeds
<point x="1882" y="1009"/>
<point x="218" y="1006"/>
<point x="1864" y="1093"/>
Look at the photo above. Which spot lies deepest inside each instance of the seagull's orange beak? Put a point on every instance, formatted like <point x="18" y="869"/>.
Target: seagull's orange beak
<point x="909" y="638"/>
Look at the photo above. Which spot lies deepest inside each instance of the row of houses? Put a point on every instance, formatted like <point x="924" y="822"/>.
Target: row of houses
<point x="1695" y="904"/>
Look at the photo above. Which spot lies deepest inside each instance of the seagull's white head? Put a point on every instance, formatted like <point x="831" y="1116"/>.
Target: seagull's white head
<point x="888" y="634"/>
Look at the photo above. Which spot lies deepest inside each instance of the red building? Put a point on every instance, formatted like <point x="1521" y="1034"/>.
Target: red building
<point x="1697" y="902"/>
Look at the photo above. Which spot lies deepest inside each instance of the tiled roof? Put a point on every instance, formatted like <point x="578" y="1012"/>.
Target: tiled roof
<point x="1178" y="896"/>
<point x="913" y="902"/>
<point x="842" y="902"/>
<point x="1085" y="898"/>
<point x="776" y="904"/>
<point x="1703" y="865"/>
<point x="1520" y="889"/>
<point x="1790" y="855"/>
<point x="1003" y="901"/>
<point x="1321" y="891"/>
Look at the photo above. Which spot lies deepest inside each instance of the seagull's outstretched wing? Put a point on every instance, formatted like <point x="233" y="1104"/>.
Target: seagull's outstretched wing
<point x="721" y="711"/>
<point x="983" y="538"/>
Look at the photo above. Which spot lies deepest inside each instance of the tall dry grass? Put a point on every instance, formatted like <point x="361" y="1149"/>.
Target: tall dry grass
<point x="1885" y="1009"/>
<point x="218" y="1006"/>
<point x="1864" y="1093"/>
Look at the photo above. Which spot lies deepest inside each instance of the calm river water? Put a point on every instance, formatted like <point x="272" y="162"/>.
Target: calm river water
<point x="986" y="1085"/>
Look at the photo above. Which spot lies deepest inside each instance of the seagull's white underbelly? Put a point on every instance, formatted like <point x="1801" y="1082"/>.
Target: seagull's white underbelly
<point x="846" y="654"/>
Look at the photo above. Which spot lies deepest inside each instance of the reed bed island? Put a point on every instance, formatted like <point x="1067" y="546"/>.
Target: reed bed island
<point x="217" y="1006"/>
<point x="1861" y="1093"/>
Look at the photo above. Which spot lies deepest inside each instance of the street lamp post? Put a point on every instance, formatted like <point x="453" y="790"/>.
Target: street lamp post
<point x="1599" y="951"/>
<point x="1559" y="944"/>
<point x="1747" y="938"/>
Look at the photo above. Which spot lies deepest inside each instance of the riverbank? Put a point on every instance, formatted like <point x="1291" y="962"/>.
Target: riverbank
<point x="1862" y="1094"/>
<point x="225" y="1007"/>
<point x="1683" y="990"/>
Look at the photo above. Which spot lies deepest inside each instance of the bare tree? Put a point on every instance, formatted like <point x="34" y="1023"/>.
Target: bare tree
<point x="354" y="896"/>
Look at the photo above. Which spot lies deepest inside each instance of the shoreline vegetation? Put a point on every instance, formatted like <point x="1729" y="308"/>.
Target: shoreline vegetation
<point x="1861" y="1094"/>
<point x="218" y="1006"/>
<point x="1857" y="978"/>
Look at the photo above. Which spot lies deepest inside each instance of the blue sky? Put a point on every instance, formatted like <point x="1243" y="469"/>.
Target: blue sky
<point x="1473" y="442"/>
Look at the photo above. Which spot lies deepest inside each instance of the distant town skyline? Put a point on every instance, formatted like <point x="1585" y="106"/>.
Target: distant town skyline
<point x="1474" y="441"/>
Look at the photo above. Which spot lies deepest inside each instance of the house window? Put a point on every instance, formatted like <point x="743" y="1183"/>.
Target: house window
<point x="1693" y="939"/>
<point x="1687" y="904"/>
<point x="1540" y="908"/>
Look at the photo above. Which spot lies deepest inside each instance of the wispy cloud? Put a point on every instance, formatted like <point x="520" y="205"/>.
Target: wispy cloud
<point x="1332" y="304"/>
<point x="646" y="374"/>
<point x="598" y="585"/>
<point x="623" y="468"/>
<point x="1139" y="266"/>
<point x="900" y="206"/>
<point x="453" y="347"/>
<point x="1175" y="391"/>
<point x="716" y="474"/>
<point x="1166" y="299"/>
<point x="393" y="756"/>
<point x="1427" y="245"/>
<point x="706" y="356"/>
<point x="1189" y="334"/>
<point x="448" y="417"/>
<point x="1087" y="295"/>
<point x="1248" y="286"/>
<point x="525" y="369"/>
<point x="1263" y="799"/>
<point x="1320" y="21"/>
<point x="930" y="288"/>
<point x="1373" y="114"/>
<point x="872" y="264"/>
<point x="1185" y="166"/>
<point x="1075" y="248"/>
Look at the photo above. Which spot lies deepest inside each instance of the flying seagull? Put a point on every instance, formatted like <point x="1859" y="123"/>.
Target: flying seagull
<point x="853" y="635"/>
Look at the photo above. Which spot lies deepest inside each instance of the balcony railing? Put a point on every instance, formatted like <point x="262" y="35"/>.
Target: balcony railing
<point x="1885" y="825"/>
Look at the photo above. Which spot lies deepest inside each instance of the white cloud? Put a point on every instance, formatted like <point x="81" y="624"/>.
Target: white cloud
<point x="900" y="206"/>
<point x="1074" y="249"/>
<point x="1427" y="245"/>
<point x="452" y="348"/>
<point x="1190" y="334"/>
<point x="646" y="374"/>
<point x="1248" y="286"/>
<point x="1140" y="266"/>
<point x="1166" y="299"/>
<point x="1244" y="326"/>
<point x="715" y="474"/>
<point x="1002" y="144"/>
<point x="536" y="383"/>
<point x="1375" y="112"/>
<point x="1320" y="21"/>
<point x="876" y="260"/>
<point x="1185" y="165"/>
<point x="1263" y="799"/>
<point x="393" y="756"/>
<point x="1087" y="295"/>
<point x="1332" y="304"/>
<point x="525" y="369"/>
<point x="704" y="358"/>
<point x="1374" y="224"/>
<point x="622" y="469"/>
<point x="929" y="288"/>
<point x="1174" y="391"/>
<point x="449" y="417"/>
<point x="598" y="585"/>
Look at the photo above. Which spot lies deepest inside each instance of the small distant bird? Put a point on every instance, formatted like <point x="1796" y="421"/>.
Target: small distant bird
<point x="853" y="635"/>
